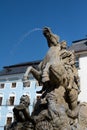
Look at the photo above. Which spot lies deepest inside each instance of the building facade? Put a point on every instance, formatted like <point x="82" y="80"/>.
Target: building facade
<point x="80" y="48"/>
<point x="11" y="89"/>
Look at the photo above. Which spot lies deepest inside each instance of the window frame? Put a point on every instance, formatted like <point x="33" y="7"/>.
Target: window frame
<point x="11" y="103"/>
<point x="13" y="85"/>
<point x="2" y="85"/>
<point x="8" y="121"/>
<point x="1" y="99"/>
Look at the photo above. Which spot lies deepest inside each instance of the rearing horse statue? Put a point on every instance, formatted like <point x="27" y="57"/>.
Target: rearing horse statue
<point x="55" y="69"/>
<point x="58" y="108"/>
<point x="50" y="69"/>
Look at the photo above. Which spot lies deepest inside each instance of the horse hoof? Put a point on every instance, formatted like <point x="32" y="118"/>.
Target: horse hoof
<point x="26" y="83"/>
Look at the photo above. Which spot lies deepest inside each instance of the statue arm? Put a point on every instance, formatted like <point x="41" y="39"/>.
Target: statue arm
<point x="72" y="58"/>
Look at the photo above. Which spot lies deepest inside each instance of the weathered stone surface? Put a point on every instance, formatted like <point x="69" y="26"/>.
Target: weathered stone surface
<point x="58" y="108"/>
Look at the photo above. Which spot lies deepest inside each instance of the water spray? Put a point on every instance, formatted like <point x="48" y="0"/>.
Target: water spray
<point x="23" y="37"/>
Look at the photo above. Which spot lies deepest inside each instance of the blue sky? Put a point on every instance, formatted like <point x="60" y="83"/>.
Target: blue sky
<point x="21" y="39"/>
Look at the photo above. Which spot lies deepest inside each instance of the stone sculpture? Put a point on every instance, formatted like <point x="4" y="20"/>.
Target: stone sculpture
<point x="22" y="119"/>
<point x="58" y="108"/>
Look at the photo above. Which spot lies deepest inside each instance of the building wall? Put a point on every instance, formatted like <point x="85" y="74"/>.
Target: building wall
<point x="18" y="91"/>
<point x="83" y="77"/>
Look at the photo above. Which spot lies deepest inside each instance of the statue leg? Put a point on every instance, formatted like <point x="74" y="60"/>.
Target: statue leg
<point x="45" y="73"/>
<point x="45" y="87"/>
<point x="45" y="78"/>
<point x="73" y="97"/>
<point x="26" y="77"/>
<point x="35" y="73"/>
<point x="71" y="79"/>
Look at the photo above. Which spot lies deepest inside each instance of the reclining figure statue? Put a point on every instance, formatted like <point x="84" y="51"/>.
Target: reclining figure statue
<point x="22" y="119"/>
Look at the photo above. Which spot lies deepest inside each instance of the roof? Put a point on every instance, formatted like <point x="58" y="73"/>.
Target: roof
<point x="18" y="68"/>
<point x="79" y="45"/>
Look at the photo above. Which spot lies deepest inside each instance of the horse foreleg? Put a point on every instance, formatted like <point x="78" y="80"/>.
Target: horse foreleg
<point x="36" y="74"/>
<point x="25" y="79"/>
<point x="26" y="75"/>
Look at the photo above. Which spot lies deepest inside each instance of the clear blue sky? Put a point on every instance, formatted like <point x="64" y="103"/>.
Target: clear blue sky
<point x="19" y="18"/>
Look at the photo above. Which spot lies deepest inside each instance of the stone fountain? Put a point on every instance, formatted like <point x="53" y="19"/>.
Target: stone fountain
<point x="58" y="108"/>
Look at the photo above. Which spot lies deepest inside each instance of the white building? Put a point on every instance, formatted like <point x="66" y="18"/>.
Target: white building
<point x="80" y="48"/>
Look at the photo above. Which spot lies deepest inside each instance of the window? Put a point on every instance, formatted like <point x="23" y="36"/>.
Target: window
<point x="38" y="97"/>
<point x="0" y="101"/>
<point x="13" y="85"/>
<point x="9" y="120"/>
<point x="77" y="62"/>
<point x="1" y="85"/>
<point x="0" y="115"/>
<point x="37" y="101"/>
<point x="11" y="100"/>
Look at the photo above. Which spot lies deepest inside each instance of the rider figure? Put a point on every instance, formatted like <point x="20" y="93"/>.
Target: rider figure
<point x="68" y="59"/>
<point x="72" y="89"/>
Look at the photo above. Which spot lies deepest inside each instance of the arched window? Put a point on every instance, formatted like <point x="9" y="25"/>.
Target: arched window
<point x="11" y="99"/>
<point x="9" y="118"/>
